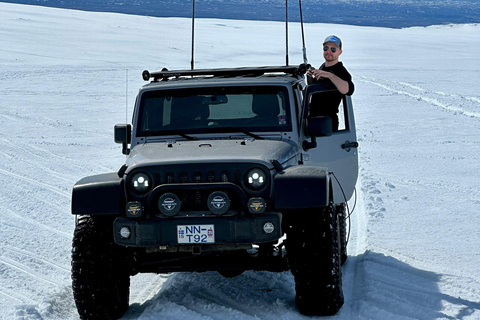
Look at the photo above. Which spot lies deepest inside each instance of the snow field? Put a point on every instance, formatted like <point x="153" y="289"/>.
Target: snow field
<point x="414" y="242"/>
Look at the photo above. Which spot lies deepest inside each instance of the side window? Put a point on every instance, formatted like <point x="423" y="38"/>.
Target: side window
<point x="332" y="104"/>
<point x="342" y="116"/>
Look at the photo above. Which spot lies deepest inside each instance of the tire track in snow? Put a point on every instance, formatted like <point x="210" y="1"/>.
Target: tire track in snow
<point x="143" y="288"/>
<point x="353" y="270"/>
<point x="146" y="286"/>
<point x="35" y="223"/>
<point x="29" y="158"/>
<point x="25" y="269"/>
<point x="27" y="153"/>
<point x="36" y="257"/>
<point x="35" y="182"/>
<point x="16" y="296"/>
<point x="435" y="98"/>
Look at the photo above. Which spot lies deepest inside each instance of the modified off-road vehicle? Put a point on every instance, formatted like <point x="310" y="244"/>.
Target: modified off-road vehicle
<point x="226" y="171"/>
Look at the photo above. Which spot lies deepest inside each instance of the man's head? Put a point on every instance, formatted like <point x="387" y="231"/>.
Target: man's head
<point x="335" y="40"/>
<point x="332" y="49"/>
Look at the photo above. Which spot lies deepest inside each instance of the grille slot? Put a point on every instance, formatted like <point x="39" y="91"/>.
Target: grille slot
<point x="197" y="177"/>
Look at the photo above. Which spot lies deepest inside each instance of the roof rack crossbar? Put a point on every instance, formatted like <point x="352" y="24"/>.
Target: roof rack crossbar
<point x="164" y="74"/>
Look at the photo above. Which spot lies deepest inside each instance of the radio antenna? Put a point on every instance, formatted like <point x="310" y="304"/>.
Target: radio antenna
<point x="126" y="107"/>
<point x="305" y="60"/>
<point x="193" y="34"/>
<point x="286" y="32"/>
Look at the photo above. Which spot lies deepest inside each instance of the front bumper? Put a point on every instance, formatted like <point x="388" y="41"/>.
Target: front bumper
<point x="228" y="230"/>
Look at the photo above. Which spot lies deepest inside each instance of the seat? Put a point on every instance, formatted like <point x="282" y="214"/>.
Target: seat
<point x="266" y="108"/>
<point x="189" y="112"/>
<point x="152" y="115"/>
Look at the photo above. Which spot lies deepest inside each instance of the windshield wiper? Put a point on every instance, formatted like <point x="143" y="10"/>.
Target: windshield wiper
<point x="236" y="129"/>
<point x="183" y="135"/>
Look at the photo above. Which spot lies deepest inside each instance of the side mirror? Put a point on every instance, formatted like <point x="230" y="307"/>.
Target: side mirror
<point x="317" y="127"/>
<point x="123" y="135"/>
<point x="320" y="127"/>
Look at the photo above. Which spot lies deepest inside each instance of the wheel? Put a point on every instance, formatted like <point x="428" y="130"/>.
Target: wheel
<point x="100" y="276"/>
<point x="313" y="253"/>
<point x="342" y="220"/>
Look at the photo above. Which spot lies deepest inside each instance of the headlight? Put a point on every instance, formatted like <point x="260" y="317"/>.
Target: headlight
<point x="140" y="182"/>
<point x="256" y="179"/>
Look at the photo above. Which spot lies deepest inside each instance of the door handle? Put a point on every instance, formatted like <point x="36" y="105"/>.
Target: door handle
<point x="347" y="146"/>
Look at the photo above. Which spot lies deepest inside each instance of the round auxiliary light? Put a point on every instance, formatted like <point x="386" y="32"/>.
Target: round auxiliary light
<point x="256" y="205"/>
<point x="268" y="227"/>
<point x="140" y="182"/>
<point x="256" y="179"/>
<point x="218" y="202"/>
<point x="125" y="232"/>
<point x="134" y="209"/>
<point x="169" y="204"/>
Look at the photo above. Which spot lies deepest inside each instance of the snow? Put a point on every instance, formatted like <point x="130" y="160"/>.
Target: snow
<point x="414" y="243"/>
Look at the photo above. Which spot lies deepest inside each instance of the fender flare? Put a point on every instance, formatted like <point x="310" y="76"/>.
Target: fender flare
<point x="302" y="187"/>
<point x="98" y="195"/>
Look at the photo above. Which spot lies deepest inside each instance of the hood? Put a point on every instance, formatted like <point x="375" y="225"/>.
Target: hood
<point x="210" y="151"/>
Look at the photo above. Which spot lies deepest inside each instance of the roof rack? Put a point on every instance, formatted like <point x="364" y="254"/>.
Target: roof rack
<point x="165" y="74"/>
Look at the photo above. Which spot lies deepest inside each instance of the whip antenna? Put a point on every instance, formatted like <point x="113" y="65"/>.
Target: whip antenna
<point x="126" y="112"/>
<point x="126" y="100"/>
<point x="305" y="60"/>
<point x="286" y="32"/>
<point x="193" y="33"/>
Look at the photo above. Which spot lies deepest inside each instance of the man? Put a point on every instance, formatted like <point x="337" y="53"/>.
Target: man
<point x="331" y="70"/>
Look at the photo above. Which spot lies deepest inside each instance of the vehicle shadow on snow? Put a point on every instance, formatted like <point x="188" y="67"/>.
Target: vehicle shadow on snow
<point x="375" y="286"/>
<point x="252" y="295"/>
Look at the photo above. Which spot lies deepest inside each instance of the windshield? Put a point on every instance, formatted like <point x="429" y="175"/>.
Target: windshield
<point x="221" y="109"/>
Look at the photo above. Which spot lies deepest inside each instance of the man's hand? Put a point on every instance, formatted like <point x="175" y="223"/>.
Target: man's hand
<point x="341" y="85"/>
<point x="310" y="72"/>
<point x="318" y="74"/>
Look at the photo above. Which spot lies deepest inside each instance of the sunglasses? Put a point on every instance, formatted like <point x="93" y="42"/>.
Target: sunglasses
<point x="333" y="49"/>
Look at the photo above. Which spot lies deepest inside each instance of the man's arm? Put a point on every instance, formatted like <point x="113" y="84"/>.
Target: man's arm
<point x="342" y="86"/>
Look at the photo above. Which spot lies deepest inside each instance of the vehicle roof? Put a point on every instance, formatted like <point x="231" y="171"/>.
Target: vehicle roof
<point x="256" y="76"/>
<point x="195" y="82"/>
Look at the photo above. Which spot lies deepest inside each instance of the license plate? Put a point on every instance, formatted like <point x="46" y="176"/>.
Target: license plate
<point x="201" y="233"/>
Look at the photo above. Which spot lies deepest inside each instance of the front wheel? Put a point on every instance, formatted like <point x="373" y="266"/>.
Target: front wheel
<point x="313" y="253"/>
<point x="342" y="223"/>
<point x="100" y="277"/>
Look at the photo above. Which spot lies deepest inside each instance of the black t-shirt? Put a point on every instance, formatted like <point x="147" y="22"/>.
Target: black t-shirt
<point x="327" y="104"/>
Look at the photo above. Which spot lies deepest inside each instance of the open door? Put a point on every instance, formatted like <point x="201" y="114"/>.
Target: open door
<point x="335" y="150"/>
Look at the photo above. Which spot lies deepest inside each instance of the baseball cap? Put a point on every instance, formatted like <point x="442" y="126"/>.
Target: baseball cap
<point x="334" y="39"/>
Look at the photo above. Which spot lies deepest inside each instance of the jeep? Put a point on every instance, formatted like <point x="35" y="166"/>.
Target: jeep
<point x="225" y="171"/>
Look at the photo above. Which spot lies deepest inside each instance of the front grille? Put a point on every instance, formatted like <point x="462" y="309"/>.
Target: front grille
<point x="181" y="179"/>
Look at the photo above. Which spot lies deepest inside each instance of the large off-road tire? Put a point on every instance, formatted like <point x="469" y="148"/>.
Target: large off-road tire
<point x="100" y="277"/>
<point x="342" y="223"/>
<point x="313" y="253"/>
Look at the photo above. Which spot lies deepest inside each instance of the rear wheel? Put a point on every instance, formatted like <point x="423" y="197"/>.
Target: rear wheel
<point x="313" y="252"/>
<point x="100" y="277"/>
